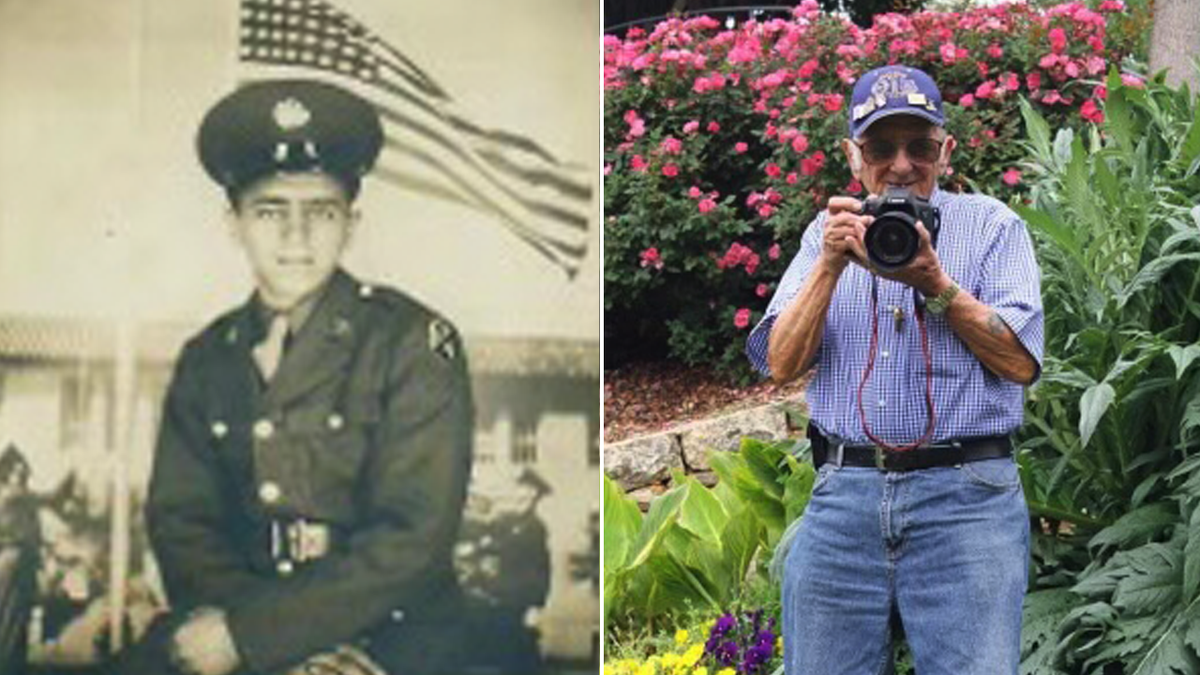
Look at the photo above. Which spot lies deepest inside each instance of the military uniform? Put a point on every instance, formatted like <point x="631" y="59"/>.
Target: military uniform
<point x="321" y="508"/>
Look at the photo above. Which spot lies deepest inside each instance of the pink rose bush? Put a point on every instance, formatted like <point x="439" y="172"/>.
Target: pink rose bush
<point x="724" y="143"/>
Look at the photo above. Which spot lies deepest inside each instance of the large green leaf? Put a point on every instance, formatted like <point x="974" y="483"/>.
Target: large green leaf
<point x="1092" y="406"/>
<point x="701" y="511"/>
<point x="1038" y="131"/>
<point x="622" y="521"/>
<point x="1153" y="586"/>
<point x="1191" y="558"/>
<point x="1183" y="357"/>
<point x="1137" y="526"/>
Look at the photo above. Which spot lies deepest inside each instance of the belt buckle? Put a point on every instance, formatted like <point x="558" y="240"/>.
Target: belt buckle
<point x="880" y="456"/>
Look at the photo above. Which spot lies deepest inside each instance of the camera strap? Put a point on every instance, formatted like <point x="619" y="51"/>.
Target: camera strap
<point x="925" y="350"/>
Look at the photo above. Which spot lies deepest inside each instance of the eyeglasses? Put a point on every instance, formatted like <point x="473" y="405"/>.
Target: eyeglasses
<point x="923" y="150"/>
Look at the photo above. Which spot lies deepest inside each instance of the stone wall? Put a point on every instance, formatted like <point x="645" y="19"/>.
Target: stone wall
<point x="643" y="465"/>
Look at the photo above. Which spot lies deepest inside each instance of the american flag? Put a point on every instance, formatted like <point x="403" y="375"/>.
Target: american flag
<point x="429" y="146"/>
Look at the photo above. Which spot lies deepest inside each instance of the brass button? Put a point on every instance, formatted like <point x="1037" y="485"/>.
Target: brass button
<point x="269" y="492"/>
<point x="336" y="421"/>
<point x="220" y="429"/>
<point x="264" y="429"/>
<point x="285" y="567"/>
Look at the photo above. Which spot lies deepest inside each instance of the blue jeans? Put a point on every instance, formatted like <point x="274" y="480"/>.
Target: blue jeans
<point x="944" y="549"/>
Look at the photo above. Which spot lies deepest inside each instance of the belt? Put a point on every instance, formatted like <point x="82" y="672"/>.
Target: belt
<point x="300" y="541"/>
<point x="946" y="453"/>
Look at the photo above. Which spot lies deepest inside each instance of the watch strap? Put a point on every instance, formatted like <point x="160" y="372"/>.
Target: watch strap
<point x="939" y="303"/>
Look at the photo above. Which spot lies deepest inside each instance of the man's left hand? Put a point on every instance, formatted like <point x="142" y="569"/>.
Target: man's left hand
<point x="204" y="646"/>
<point x="924" y="272"/>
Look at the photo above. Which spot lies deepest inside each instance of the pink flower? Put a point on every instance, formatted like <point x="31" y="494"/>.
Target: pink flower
<point x="985" y="90"/>
<point x="773" y="196"/>
<point x="742" y="318"/>
<point x="670" y="170"/>
<point x="1091" y="112"/>
<point x="833" y="102"/>
<point x="1033" y="81"/>
<point x="948" y="52"/>
<point x="967" y="100"/>
<point x="707" y="205"/>
<point x="607" y="169"/>
<point x="1058" y="40"/>
<point x="671" y="145"/>
<point x="713" y="127"/>
<point x="800" y="143"/>
<point x="792" y="178"/>
<point x="1112" y="6"/>
<point x="740" y="147"/>
<point x="1096" y="43"/>
<point x="765" y="210"/>
<point x="1052" y="97"/>
<point x="774" y="252"/>
<point x="1072" y="69"/>
<point x="638" y="163"/>
<point x="651" y="258"/>
<point x="811" y="166"/>
<point x="806" y="70"/>
<point x="1010" y="81"/>
<point x="691" y="127"/>
<point x="1095" y="65"/>
<point x="1132" y="81"/>
<point x="694" y="192"/>
<point x="761" y="290"/>
<point x="773" y="170"/>
<point x="1011" y="177"/>
<point x="1048" y="61"/>
<point x="995" y="51"/>
<point x="854" y="186"/>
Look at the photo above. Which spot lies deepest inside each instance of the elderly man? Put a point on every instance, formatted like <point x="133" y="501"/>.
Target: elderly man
<point x="315" y="444"/>
<point x="917" y="516"/>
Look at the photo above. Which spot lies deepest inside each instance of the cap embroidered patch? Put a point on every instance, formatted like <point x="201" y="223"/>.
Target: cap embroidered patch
<point x="290" y="114"/>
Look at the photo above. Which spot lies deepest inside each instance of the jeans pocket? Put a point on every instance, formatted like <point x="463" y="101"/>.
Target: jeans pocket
<point x="998" y="474"/>
<point x="823" y="475"/>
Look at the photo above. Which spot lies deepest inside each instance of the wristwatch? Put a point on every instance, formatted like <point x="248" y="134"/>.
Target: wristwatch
<point x="939" y="303"/>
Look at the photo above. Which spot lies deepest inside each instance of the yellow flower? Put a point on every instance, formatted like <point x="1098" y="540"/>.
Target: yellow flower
<point x="779" y="644"/>
<point x="681" y="637"/>
<point x="692" y="656"/>
<point x="700" y="671"/>
<point x="727" y="671"/>
<point x="646" y="668"/>
<point x="670" y="660"/>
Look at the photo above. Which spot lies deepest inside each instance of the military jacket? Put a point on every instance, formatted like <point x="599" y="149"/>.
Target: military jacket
<point x="364" y="430"/>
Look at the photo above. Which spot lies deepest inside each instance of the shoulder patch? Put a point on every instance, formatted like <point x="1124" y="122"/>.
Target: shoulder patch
<point x="443" y="339"/>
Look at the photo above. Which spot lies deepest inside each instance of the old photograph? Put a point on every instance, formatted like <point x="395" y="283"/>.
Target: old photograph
<point x="299" y="337"/>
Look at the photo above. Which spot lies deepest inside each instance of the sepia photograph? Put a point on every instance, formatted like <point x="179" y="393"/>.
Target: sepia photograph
<point x="299" y="337"/>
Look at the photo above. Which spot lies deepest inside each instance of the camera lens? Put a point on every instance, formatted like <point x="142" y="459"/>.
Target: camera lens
<point x="892" y="241"/>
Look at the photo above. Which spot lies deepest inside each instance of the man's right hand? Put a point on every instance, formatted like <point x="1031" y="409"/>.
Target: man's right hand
<point x="844" y="232"/>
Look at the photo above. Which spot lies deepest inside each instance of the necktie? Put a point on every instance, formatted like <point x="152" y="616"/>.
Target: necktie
<point x="269" y="352"/>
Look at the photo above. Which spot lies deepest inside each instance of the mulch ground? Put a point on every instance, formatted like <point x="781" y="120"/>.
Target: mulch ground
<point x="645" y="398"/>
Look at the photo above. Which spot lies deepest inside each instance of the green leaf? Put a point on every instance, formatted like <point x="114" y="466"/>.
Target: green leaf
<point x="622" y="520"/>
<point x="1191" y="419"/>
<point x="1153" y="588"/>
<point x="1151" y="274"/>
<point x="1037" y="129"/>
<point x="1183" y="357"/>
<point x="1191" y="558"/>
<point x="1092" y="406"/>
<point x="1138" y="525"/>
<point x="1059" y="233"/>
<point x="1189" y="151"/>
<point x="701" y="513"/>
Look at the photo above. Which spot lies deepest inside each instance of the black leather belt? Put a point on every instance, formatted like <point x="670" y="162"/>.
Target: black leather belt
<point x="947" y="453"/>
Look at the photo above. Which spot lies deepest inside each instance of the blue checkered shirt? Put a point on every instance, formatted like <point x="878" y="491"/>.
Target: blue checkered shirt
<point x="984" y="247"/>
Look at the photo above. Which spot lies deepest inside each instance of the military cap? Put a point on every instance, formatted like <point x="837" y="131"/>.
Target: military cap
<point x="290" y="125"/>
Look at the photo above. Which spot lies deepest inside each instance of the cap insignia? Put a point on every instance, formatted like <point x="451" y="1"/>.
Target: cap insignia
<point x="291" y="114"/>
<point x="442" y="339"/>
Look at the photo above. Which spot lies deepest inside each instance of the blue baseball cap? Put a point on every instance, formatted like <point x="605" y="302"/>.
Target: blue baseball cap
<point x="894" y="90"/>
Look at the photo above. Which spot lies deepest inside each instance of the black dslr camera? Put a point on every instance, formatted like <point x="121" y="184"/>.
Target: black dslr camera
<point x="892" y="240"/>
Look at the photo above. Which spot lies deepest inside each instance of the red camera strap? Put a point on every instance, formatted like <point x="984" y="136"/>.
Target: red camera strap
<point x="862" y="415"/>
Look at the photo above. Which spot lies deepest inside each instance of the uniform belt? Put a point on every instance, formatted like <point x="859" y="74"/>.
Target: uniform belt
<point x="946" y="453"/>
<point x="300" y="540"/>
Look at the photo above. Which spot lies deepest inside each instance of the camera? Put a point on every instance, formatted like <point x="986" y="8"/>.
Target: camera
<point x="892" y="240"/>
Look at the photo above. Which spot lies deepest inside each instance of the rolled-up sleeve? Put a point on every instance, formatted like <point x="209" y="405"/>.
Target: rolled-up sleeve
<point x="793" y="279"/>
<point x="1011" y="285"/>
